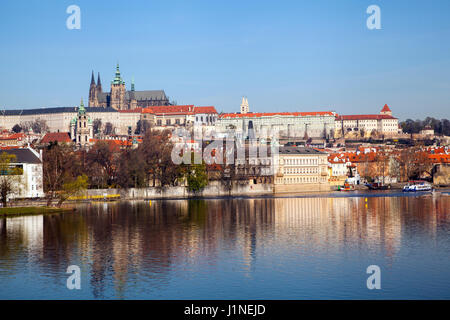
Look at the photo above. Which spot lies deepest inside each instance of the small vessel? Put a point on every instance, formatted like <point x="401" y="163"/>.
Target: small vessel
<point x="346" y="187"/>
<point x="418" y="185"/>
<point x="377" y="186"/>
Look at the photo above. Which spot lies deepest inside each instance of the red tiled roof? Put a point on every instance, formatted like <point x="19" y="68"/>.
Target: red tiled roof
<point x="186" y="109"/>
<point x="364" y="117"/>
<point x="271" y="114"/>
<point x="56" y="136"/>
<point x="439" y="158"/>
<point x="209" y="109"/>
<point x="137" y="110"/>
<point x="18" y="135"/>
<point x="386" y="108"/>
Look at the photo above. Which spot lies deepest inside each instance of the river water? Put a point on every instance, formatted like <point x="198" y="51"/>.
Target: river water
<point x="233" y="248"/>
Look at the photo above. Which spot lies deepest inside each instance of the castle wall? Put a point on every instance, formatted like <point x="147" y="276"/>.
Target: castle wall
<point x="60" y="122"/>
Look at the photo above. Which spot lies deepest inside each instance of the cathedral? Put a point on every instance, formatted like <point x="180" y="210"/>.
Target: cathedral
<point x="120" y="98"/>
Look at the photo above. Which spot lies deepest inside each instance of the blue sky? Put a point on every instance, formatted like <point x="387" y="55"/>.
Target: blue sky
<point x="283" y="55"/>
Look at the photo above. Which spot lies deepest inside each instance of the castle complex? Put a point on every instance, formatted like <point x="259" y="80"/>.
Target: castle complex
<point x="120" y="99"/>
<point x="128" y="111"/>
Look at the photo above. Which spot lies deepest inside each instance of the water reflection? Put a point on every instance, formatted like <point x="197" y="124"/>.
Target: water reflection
<point x="122" y="246"/>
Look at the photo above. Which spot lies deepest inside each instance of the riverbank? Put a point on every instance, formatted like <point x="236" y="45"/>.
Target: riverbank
<point x="22" y="211"/>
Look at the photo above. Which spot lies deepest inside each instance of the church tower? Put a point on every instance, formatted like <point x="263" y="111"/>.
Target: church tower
<point x="244" y="106"/>
<point x="118" y="92"/>
<point x="81" y="128"/>
<point x="99" y="84"/>
<point x="93" y="96"/>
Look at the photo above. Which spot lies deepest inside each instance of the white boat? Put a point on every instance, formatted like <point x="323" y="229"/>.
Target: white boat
<point x="413" y="186"/>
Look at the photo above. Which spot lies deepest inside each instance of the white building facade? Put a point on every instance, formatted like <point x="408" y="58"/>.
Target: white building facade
<point x="30" y="183"/>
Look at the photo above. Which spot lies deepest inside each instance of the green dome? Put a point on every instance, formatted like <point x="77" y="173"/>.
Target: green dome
<point x="81" y="109"/>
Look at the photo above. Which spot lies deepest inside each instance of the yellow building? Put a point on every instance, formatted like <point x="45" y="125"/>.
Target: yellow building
<point x="301" y="169"/>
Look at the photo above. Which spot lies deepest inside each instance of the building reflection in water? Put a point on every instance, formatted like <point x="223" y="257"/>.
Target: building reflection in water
<point x="122" y="244"/>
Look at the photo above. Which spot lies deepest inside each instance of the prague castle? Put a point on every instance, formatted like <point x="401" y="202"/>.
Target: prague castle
<point x="120" y="99"/>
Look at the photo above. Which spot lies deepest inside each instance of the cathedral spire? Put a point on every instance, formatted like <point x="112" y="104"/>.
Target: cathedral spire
<point x="81" y="109"/>
<point x="118" y="78"/>
<point x="92" y="78"/>
<point x="132" y="83"/>
<point x="99" y="84"/>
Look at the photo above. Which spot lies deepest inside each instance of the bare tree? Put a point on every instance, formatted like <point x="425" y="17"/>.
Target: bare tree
<point x="109" y="129"/>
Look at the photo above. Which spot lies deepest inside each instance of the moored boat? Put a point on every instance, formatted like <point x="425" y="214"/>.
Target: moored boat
<point x="346" y="187"/>
<point x="413" y="186"/>
<point x="377" y="186"/>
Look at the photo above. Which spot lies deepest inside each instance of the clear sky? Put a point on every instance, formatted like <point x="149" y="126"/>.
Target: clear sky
<point x="283" y="55"/>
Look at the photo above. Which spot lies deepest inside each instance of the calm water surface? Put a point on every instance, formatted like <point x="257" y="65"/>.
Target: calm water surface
<point x="266" y="248"/>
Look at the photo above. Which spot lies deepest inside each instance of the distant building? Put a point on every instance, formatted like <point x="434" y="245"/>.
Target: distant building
<point x="315" y="124"/>
<point x="58" y="137"/>
<point x="15" y="139"/>
<point x="120" y="98"/>
<point x="31" y="179"/>
<point x="383" y="123"/>
<point x="427" y="131"/>
<point x="167" y="117"/>
<point x="301" y="169"/>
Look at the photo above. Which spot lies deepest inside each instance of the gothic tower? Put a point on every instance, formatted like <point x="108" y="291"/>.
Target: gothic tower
<point x="99" y="84"/>
<point x="93" y="96"/>
<point x="244" y="106"/>
<point x="118" y="92"/>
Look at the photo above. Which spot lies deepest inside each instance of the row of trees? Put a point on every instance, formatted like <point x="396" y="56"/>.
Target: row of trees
<point x="37" y="126"/>
<point x="406" y="164"/>
<point x="106" y="165"/>
<point x="40" y="126"/>
<point x="99" y="128"/>
<point x="441" y="127"/>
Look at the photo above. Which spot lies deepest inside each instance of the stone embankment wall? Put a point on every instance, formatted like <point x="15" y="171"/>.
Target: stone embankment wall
<point x="212" y="190"/>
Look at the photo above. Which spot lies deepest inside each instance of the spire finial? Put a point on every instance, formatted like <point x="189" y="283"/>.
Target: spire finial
<point x="81" y="109"/>
<point x="92" y="78"/>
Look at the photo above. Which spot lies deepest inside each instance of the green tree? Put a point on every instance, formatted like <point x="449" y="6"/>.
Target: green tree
<point x="197" y="177"/>
<point x="72" y="187"/>
<point x="10" y="177"/>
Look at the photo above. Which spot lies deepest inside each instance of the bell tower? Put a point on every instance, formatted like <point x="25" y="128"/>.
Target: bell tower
<point x="244" y="106"/>
<point x="93" y="96"/>
<point x="118" y="91"/>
